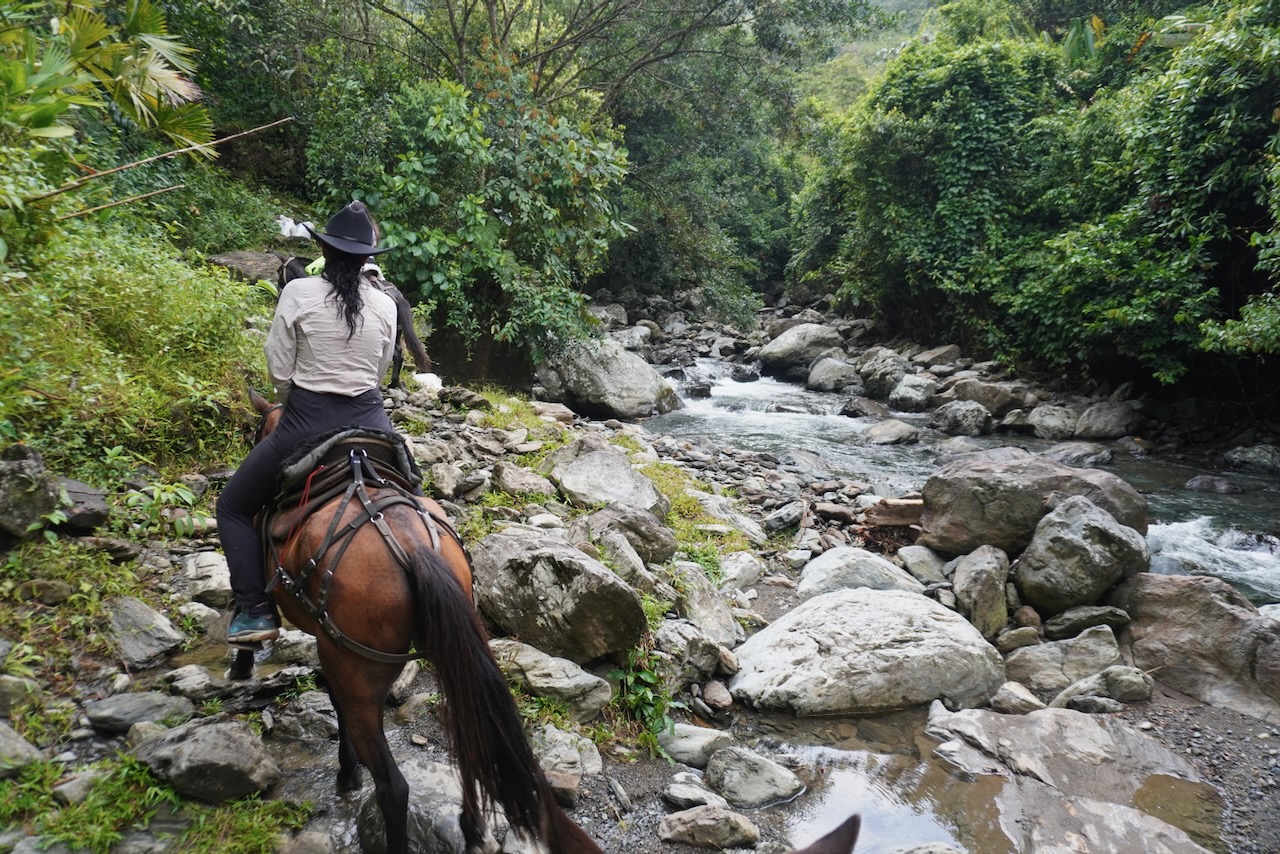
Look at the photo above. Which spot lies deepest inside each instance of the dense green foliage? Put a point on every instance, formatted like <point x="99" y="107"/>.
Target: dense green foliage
<point x="1057" y="206"/>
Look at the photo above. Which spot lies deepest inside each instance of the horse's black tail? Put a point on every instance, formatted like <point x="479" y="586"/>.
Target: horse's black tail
<point x="482" y="720"/>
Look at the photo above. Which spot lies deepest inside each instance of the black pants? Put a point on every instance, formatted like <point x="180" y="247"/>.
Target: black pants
<point x="306" y="414"/>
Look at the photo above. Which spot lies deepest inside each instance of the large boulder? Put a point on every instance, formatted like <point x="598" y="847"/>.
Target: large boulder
<point x="882" y="369"/>
<point x="798" y="347"/>
<point x="590" y="472"/>
<point x="865" y="651"/>
<point x="1108" y="419"/>
<point x="977" y="501"/>
<point x="602" y="378"/>
<point x="1077" y="554"/>
<point x="1200" y="636"/>
<point x="554" y="597"/>
<point x="999" y="398"/>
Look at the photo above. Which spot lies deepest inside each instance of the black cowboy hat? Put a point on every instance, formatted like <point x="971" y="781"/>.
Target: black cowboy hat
<point x="351" y="230"/>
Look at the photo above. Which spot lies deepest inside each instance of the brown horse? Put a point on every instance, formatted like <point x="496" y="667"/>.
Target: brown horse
<point x="383" y="595"/>
<point x="379" y="596"/>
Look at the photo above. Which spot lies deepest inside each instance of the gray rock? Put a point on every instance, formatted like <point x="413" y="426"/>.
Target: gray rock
<point x="542" y="675"/>
<point x="118" y="713"/>
<point x="1109" y="419"/>
<point x="1053" y="422"/>
<point x="828" y="374"/>
<point x="701" y="603"/>
<point x="693" y="745"/>
<point x="1048" y="668"/>
<point x="1079" y="454"/>
<point x="143" y="635"/>
<point x="555" y="597"/>
<point x="309" y="716"/>
<point x="998" y="398"/>
<point x="974" y="501"/>
<point x="1263" y="458"/>
<point x="1078" y="553"/>
<point x="208" y="579"/>
<point x="882" y="369"/>
<point x="864" y="651"/>
<point x="798" y="347"/>
<point x="28" y="491"/>
<point x="709" y="827"/>
<point x="913" y="393"/>
<point x="846" y="567"/>
<point x="891" y="432"/>
<point x="1015" y="699"/>
<point x="979" y="581"/>
<point x="16" y="753"/>
<point x="513" y="480"/>
<point x="1073" y="621"/>
<point x="213" y="762"/>
<point x="1204" y="639"/>
<point x="747" y="779"/>
<point x="961" y="418"/>
<point x="1119" y="682"/>
<point x="604" y="378"/>
<point x="590" y="471"/>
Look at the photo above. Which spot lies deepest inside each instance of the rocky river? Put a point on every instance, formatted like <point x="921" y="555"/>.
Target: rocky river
<point x="988" y="616"/>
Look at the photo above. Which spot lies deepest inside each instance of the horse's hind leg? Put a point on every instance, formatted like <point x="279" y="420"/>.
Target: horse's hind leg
<point x="361" y="723"/>
<point x="348" y="762"/>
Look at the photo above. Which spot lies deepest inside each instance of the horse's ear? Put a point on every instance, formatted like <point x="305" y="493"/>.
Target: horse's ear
<point x="839" y="841"/>
<point x="259" y="402"/>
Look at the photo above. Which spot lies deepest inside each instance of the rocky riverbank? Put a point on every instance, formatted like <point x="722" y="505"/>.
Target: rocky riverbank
<point x="1057" y="685"/>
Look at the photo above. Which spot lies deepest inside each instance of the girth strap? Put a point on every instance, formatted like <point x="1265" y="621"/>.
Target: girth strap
<point x="338" y="537"/>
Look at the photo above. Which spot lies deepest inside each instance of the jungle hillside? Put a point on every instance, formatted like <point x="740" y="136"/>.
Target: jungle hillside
<point x="1086" y="191"/>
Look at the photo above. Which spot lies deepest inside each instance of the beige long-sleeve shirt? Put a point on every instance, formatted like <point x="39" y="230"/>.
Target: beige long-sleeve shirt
<point x="308" y="344"/>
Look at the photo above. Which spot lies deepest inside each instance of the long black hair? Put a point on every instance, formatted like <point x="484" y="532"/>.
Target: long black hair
<point x="342" y="270"/>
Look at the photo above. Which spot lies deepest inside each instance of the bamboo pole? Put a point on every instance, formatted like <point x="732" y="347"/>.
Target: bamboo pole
<point x="120" y="202"/>
<point x="80" y="182"/>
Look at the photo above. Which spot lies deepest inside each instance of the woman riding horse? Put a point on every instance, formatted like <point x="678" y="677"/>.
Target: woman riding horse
<point x="330" y="344"/>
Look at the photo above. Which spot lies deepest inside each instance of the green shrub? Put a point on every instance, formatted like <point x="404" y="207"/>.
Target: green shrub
<point x="110" y="346"/>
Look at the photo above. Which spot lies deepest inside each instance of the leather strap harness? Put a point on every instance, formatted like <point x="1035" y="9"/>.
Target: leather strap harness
<point x="349" y="469"/>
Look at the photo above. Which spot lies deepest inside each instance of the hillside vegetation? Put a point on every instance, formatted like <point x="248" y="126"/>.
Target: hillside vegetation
<point x="1087" y="189"/>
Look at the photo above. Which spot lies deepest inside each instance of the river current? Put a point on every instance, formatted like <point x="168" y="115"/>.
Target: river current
<point x="1234" y="537"/>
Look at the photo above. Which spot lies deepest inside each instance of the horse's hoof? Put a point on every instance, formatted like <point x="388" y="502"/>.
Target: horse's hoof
<point x="349" y="783"/>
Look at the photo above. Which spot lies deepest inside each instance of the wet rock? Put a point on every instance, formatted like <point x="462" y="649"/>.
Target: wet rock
<point x="798" y="346"/>
<point x="604" y="378"/>
<point x="1109" y="420"/>
<point x="748" y="779"/>
<point x="1079" y="454"/>
<point x="1053" y="422"/>
<point x="28" y="491"/>
<point x="913" y="393"/>
<point x="1073" y="621"/>
<point x="1015" y="699"/>
<point x="1263" y="458"/>
<point x="961" y="418"/>
<point x="208" y="579"/>
<point x="1121" y="683"/>
<point x="891" y="432"/>
<point x="1213" y="484"/>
